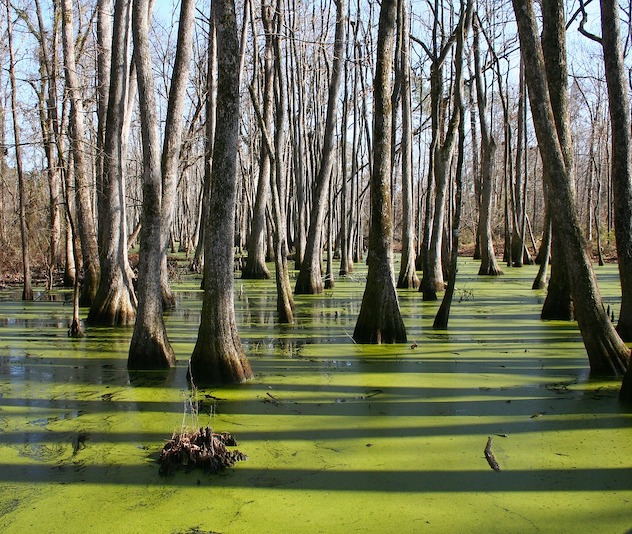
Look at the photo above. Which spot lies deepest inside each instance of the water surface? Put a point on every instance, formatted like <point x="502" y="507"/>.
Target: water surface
<point x="340" y="437"/>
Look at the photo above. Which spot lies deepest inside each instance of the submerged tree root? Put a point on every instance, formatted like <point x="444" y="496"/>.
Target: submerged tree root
<point x="202" y="448"/>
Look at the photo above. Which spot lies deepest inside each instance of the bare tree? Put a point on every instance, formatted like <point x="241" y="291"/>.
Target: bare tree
<point x="27" y="289"/>
<point x="607" y="354"/>
<point x="443" y="314"/>
<point x="407" y="274"/>
<point x="115" y="301"/>
<point x="150" y="347"/>
<point x="172" y="145"/>
<point x="621" y="170"/>
<point x="380" y="319"/>
<point x="489" y="265"/>
<point x="85" y="222"/>
<point x="309" y="280"/>
<point x="218" y="356"/>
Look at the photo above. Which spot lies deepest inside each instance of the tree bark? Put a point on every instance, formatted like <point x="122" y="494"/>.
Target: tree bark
<point x="255" y="267"/>
<point x="172" y="145"/>
<point x="218" y="356"/>
<point x="380" y="319"/>
<point x="489" y="265"/>
<point x="27" y="289"/>
<point x="150" y="347"/>
<point x="443" y="314"/>
<point x="285" y="300"/>
<point x="310" y="280"/>
<point x="115" y="301"/>
<point x="87" y="232"/>
<point x="621" y="169"/>
<point x="607" y="354"/>
<point x="407" y="274"/>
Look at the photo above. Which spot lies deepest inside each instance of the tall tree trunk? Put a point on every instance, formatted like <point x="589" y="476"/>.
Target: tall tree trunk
<point x="172" y="144"/>
<point x="115" y="301"/>
<point x="380" y="319"/>
<point x="104" y="59"/>
<point x="441" y="149"/>
<point x="47" y="96"/>
<point x="443" y="314"/>
<point x="607" y="354"/>
<point x="407" y="274"/>
<point x="150" y="347"/>
<point x="310" y="280"/>
<point x="621" y="169"/>
<point x="255" y="267"/>
<point x="489" y="265"/>
<point x="87" y="232"/>
<point x="27" y="290"/>
<point x="285" y="300"/>
<point x="209" y="131"/>
<point x="218" y="356"/>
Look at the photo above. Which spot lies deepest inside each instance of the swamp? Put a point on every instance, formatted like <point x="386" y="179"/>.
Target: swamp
<point x="339" y="437"/>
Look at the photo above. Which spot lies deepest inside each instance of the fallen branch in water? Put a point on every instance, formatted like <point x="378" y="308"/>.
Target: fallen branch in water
<point x="489" y="455"/>
<point x="202" y="448"/>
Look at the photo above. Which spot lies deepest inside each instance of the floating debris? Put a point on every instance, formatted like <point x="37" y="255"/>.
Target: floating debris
<point x="489" y="455"/>
<point x="203" y="448"/>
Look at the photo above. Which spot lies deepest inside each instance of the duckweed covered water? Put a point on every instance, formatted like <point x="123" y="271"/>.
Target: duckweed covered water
<point x="340" y="437"/>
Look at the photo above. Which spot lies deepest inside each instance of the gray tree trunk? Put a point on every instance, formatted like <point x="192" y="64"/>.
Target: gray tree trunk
<point x="621" y="170"/>
<point x="255" y="267"/>
<point x="443" y="314"/>
<point x="218" y="356"/>
<point x="285" y="300"/>
<point x="150" y="347"/>
<point x="380" y="319"/>
<point x="27" y="289"/>
<point x="607" y="354"/>
<point x="115" y="301"/>
<point x="310" y="280"/>
<point x="170" y="163"/>
<point x="489" y="265"/>
<point x="407" y="274"/>
<point x="85" y="222"/>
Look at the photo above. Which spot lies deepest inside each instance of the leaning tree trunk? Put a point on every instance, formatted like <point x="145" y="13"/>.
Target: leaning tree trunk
<point x="607" y="354"/>
<point x="616" y="79"/>
<point x="380" y="319"/>
<point x="218" y="356"/>
<point x="150" y="347"/>
<point x="310" y="279"/>
<point x="85" y="222"/>
<point x="115" y="300"/>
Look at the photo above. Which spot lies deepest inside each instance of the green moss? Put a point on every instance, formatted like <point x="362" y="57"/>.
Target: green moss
<point x="340" y="437"/>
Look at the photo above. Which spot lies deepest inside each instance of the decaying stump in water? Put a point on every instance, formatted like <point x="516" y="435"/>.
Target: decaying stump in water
<point x="203" y="448"/>
<point x="489" y="455"/>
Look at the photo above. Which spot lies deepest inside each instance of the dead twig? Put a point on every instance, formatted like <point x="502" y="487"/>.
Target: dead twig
<point x="489" y="455"/>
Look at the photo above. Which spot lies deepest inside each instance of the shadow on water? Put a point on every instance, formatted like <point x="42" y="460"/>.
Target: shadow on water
<point x="328" y="425"/>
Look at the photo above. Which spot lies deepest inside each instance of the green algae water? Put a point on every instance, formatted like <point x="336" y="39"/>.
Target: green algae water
<point x="340" y="437"/>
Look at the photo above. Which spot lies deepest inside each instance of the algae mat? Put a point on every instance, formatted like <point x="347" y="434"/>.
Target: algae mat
<point x="340" y="437"/>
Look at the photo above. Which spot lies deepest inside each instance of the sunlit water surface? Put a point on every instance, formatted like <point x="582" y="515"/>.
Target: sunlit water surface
<point x="340" y="437"/>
